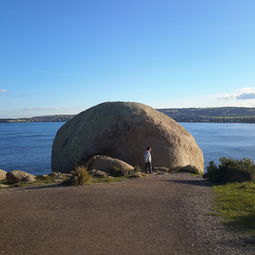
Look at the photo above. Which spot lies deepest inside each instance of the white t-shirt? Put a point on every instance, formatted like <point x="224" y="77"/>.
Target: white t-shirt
<point x="147" y="156"/>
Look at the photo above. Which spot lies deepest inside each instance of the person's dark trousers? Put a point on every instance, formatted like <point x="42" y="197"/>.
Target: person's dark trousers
<point x="148" y="167"/>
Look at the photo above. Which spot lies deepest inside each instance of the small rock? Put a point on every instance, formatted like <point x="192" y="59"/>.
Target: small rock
<point x="4" y="186"/>
<point x="58" y="180"/>
<point x="161" y="169"/>
<point x="16" y="176"/>
<point x="28" y="179"/>
<point x="66" y="175"/>
<point x="98" y="173"/>
<point x="56" y="175"/>
<point x="2" y="175"/>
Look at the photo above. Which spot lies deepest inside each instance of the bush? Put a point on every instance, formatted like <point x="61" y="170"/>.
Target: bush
<point x="230" y="170"/>
<point x="80" y="176"/>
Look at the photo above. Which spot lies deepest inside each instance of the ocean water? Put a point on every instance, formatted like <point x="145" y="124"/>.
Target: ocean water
<point x="27" y="146"/>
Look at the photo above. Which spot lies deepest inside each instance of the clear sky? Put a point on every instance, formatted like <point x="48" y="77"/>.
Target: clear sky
<point x="64" y="56"/>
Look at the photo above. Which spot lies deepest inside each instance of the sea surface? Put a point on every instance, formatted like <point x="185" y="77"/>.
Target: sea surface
<point x="27" y="146"/>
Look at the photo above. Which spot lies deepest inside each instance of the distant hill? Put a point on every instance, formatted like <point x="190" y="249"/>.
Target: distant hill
<point x="217" y="114"/>
<point x="50" y="118"/>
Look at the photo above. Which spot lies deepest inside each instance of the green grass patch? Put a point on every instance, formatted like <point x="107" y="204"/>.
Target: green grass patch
<point x="235" y="202"/>
<point x="40" y="181"/>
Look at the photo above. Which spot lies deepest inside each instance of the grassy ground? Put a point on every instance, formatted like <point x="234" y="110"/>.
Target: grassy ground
<point x="236" y="204"/>
<point x="39" y="181"/>
<point x="52" y="181"/>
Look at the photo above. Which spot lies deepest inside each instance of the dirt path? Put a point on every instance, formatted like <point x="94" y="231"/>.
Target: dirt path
<point x="165" y="214"/>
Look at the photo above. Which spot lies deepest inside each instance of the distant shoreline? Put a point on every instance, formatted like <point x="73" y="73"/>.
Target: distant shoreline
<point x="48" y="121"/>
<point x="191" y="115"/>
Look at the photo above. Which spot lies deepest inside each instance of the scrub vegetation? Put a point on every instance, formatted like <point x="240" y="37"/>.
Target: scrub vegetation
<point x="235" y="202"/>
<point x="234" y="187"/>
<point x="230" y="170"/>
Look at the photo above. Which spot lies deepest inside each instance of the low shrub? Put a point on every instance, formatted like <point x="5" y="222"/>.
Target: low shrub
<point x="80" y="176"/>
<point x="230" y="170"/>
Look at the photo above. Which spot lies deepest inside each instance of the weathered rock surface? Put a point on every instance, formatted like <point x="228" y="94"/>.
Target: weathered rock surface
<point x="161" y="169"/>
<point x="123" y="130"/>
<point x="2" y="175"/>
<point x="28" y="179"/>
<point x="112" y="166"/>
<point x="16" y="176"/>
<point x="98" y="173"/>
<point x="56" y="175"/>
<point x="187" y="169"/>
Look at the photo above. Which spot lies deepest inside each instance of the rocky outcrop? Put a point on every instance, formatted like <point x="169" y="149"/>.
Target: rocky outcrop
<point x="2" y="175"/>
<point x="16" y="176"/>
<point x="122" y="130"/>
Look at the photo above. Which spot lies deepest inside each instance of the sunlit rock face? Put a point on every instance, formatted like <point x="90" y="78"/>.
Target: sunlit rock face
<point x="122" y="130"/>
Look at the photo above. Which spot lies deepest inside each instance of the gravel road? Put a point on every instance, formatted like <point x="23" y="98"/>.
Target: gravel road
<point x="164" y="214"/>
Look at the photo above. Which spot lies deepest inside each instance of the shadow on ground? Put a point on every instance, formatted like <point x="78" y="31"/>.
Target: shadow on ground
<point x="243" y="223"/>
<point x="49" y="186"/>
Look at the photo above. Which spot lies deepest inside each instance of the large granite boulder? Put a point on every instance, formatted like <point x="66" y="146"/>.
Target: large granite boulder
<point x="17" y="176"/>
<point x="122" y="130"/>
<point x="2" y="175"/>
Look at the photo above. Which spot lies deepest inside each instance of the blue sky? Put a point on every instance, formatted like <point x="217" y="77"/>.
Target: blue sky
<point x="64" y="56"/>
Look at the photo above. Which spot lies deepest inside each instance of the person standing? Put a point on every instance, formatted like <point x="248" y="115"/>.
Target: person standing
<point x="147" y="159"/>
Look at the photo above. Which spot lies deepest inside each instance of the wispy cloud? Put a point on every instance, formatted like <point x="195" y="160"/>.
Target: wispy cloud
<point x="40" y="108"/>
<point x="241" y="94"/>
<point x="3" y="90"/>
<point x="226" y="96"/>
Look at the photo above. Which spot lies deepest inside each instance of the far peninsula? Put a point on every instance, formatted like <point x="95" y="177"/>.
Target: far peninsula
<point x="209" y="114"/>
